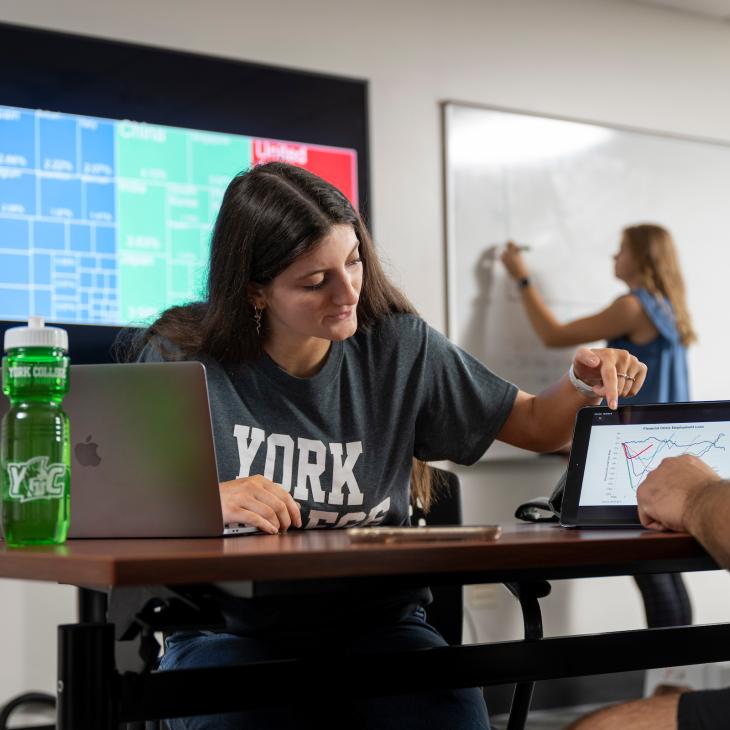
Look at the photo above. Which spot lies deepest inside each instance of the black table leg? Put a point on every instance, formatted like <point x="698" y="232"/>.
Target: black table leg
<point x="86" y="678"/>
<point x="91" y="606"/>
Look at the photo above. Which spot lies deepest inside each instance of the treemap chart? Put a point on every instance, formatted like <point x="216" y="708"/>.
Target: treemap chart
<point x="108" y="221"/>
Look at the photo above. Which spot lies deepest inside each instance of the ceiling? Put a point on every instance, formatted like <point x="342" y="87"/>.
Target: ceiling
<point x="716" y="9"/>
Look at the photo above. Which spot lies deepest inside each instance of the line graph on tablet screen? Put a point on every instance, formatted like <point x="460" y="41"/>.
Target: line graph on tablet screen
<point x="620" y="458"/>
<point x="643" y="456"/>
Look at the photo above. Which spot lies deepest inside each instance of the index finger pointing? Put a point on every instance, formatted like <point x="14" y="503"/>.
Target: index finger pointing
<point x="610" y="383"/>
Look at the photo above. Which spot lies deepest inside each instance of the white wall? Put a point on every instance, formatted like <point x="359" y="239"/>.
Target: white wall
<point x="593" y="59"/>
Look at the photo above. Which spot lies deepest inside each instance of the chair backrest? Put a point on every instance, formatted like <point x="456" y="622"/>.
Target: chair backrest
<point x="446" y="612"/>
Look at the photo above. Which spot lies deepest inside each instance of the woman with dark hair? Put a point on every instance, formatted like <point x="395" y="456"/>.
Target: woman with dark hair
<point x="325" y="386"/>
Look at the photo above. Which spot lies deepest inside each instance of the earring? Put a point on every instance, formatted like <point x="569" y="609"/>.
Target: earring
<point x="257" y="314"/>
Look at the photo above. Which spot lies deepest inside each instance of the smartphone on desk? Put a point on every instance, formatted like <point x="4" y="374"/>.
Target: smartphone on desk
<point x="423" y="534"/>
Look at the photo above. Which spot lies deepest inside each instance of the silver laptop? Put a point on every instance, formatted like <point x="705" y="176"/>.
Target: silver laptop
<point x="142" y="452"/>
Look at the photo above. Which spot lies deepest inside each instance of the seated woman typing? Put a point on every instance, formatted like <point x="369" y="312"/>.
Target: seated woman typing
<point x="325" y="385"/>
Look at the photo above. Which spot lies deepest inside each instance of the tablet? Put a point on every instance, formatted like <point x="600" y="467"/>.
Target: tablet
<point x="614" y="451"/>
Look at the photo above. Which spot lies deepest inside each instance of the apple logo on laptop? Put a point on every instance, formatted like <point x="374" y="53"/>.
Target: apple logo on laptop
<point x="86" y="453"/>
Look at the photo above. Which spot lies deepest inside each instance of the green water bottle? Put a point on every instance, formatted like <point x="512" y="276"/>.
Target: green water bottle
<point x="35" y="449"/>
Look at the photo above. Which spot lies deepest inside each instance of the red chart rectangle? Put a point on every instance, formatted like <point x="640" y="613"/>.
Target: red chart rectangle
<point x="336" y="165"/>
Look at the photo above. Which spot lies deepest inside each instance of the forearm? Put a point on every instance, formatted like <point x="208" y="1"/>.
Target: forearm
<point x="553" y="414"/>
<point x="543" y="321"/>
<point x="708" y="517"/>
<point x="544" y="422"/>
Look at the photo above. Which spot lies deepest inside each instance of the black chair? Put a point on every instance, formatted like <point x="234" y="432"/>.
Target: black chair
<point x="665" y="598"/>
<point x="446" y="612"/>
<point x="26" y="700"/>
<point x="664" y="595"/>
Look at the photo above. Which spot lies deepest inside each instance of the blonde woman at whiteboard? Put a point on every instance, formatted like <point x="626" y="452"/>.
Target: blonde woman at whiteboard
<point x="651" y="320"/>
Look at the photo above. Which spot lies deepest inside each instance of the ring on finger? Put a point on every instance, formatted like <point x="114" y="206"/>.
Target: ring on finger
<point x="623" y="375"/>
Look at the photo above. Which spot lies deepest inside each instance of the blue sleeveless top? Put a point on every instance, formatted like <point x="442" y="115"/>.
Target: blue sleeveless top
<point x="665" y="356"/>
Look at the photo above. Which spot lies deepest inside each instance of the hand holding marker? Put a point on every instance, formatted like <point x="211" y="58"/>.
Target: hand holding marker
<point x="514" y="263"/>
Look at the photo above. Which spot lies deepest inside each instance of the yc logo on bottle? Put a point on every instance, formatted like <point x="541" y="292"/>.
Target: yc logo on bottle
<point x="36" y="479"/>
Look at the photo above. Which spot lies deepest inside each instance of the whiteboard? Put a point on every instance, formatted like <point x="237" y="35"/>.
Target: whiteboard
<point x="567" y="189"/>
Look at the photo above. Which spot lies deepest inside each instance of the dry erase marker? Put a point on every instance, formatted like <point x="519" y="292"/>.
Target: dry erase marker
<point x="499" y="246"/>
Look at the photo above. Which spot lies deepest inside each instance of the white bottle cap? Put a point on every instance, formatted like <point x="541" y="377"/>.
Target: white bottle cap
<point x="36" y="334"/>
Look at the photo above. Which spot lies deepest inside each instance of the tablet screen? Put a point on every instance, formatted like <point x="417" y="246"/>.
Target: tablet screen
<point x="615" y="451"/>
<point x="619" y="458"/>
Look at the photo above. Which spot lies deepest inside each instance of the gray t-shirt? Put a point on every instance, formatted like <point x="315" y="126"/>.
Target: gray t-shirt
<point x="341" y="442"/>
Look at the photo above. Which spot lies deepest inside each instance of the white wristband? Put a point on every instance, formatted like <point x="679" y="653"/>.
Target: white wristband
<point x="583" y="388"/>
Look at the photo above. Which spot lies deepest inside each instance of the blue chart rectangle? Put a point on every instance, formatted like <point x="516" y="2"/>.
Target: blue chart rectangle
<point x="61" y="197"/>
<point x="14" y="303"/>
<point x="97" y="147"/>
<point x="57" y="216"/>
<point x="42" y="269"/>
<point x="14" y="234"/>
<point x="106" y="239"/>
<point x="79" y="237"/>
<point x="58" y="148"/>
<point x="14" y="268"/>
<point x="99" y="196"/>
<point x="48" y="235"/>
<point x="17" y="138"/>
<point x="17" y="192"/>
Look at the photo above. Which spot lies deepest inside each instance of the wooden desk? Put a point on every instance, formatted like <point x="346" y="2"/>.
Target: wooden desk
<point x="525" y="557"/>
<point x="523" y="550"/>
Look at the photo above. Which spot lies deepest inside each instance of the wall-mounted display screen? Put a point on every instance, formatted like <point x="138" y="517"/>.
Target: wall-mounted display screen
<point x="108" y="221"/>
<point x="113" y="161"/>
